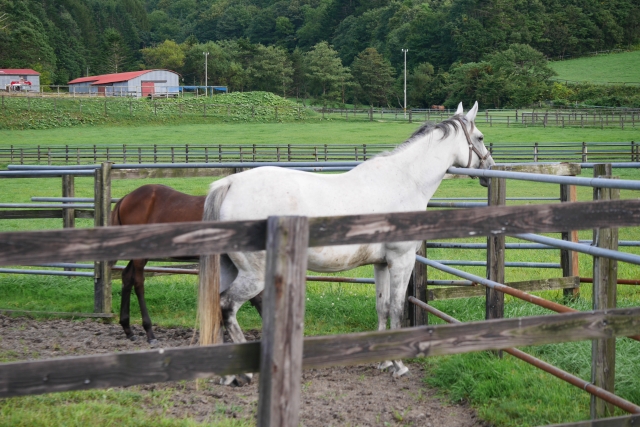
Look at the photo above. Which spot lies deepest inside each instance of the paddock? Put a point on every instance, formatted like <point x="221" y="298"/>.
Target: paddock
<point x="414" y="316"/>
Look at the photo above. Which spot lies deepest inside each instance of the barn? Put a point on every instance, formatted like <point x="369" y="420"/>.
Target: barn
<point x="132" y="83"/>
<point x="19" y="79"/>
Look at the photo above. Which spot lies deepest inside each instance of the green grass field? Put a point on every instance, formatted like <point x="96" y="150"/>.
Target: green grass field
<point x="505" y="392"/>
<point x="307" y="133"/>
<point x="612" y="68"/>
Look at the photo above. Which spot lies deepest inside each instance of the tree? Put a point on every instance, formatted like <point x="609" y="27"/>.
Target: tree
<point x="517" y="76"/>
<point x="326" y="73"/>
<point x="167" y="55"/>
<point x="117" y="56"/>
<point x="271" y="69"/>
<point x="419" y="85"/>
<point x="374" y="76"/>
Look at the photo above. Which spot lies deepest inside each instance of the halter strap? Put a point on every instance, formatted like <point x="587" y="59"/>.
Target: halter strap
<point x="472" y="148"/>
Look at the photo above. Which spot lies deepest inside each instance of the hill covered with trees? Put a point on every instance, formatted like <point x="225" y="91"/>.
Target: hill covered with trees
<point x="332" y="50"/>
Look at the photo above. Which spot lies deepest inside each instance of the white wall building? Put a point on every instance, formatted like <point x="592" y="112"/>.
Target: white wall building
<point x="20" y="79"/>
<point x="133" y="83"/>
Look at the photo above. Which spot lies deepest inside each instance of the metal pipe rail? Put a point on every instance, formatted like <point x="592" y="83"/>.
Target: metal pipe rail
<point x="47" y="206"/>
<point x="557" y="372"/>
<point x="84" y="171"/>
<point x="68" y="199"/>
<point x="506" y="264"/>
<point x="447" y="245"/>
<point x="498" y="286"/>
<point x="622" y="184"/>
<point x="186" y="165"/>
<point x="580" y="247"/>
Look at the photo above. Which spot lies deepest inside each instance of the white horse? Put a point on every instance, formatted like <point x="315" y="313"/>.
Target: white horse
<point x="400" y="181"/>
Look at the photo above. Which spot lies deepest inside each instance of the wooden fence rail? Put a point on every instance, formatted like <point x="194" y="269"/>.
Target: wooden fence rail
<point x="628" y="151"/>
<point x="199" y="238"/>
<point x="122" y="369"/>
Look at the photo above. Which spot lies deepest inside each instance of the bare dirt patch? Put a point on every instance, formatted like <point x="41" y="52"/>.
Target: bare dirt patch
<point x="356" y="395"/>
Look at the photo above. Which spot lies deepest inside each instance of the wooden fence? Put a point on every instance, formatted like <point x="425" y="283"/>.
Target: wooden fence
<point x="286" y="239"/>
<point x="197" y="153"/>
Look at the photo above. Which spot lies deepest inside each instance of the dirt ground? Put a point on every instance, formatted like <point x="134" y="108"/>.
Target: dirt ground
<point x="356" y="396"/>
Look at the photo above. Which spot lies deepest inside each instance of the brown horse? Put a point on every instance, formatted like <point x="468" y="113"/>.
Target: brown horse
<point x="152" y="204"/>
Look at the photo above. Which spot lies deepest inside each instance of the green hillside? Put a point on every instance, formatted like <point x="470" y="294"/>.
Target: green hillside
<point x="612" y="68"/>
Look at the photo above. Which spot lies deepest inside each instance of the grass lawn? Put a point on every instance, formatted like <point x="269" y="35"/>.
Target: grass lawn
<point x="505" y="392"/>
<point x="615" y="67"/>
<point x="308" y="133"/>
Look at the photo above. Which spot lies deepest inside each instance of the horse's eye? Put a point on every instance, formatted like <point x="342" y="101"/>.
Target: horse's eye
<point x="481" y="138"/>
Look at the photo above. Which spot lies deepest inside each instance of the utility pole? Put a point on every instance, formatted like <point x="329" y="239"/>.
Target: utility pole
<point x="206" y="57"/>
<point x="405" y="81"/>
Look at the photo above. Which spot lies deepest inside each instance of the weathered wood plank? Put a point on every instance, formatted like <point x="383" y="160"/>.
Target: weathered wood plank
<point x="283" y="322"/>
<point x="184" y="239"/>
<point x="169" y="173"/>
<point x="122" y="369"/>
<point x="569" y="259"/>
<point x="412" y="226"/>
<point x="605" y="277"/>
<point x="59" y="313"/>
<point x="494" y="303"/>
<point x="102" y="210"/>
<point x="129" y="242"/>
<point x="627" y="421"/>
<point x="527" y="286"/>
<point x="42" y="213"/>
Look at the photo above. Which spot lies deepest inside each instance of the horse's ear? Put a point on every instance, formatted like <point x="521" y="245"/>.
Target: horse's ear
<point x="459" y="110"/>
<point x="471" y="115"/>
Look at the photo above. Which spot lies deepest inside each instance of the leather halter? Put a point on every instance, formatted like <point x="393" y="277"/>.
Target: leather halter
<point x="472" y="148"/>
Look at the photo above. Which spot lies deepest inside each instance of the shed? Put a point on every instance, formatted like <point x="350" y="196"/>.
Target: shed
<point x="19" y="80"/>
<point x="132" y="83"/>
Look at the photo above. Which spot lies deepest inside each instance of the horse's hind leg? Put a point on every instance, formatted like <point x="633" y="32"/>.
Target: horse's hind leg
<point x="128" y="278"/>
<point x="381" y="273"/>
<point x="399" y="274"/>
<point x="229" y="311"/>
<point x="139" y="288"/>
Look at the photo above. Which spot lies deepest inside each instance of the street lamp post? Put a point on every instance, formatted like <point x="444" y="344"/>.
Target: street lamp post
<point x="405" y="81"/>
<point x="206" y="57"/>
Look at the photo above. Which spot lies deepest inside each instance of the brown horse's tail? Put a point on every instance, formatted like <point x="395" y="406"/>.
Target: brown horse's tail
<point x="209" y="313"/>
<point x="114" y="219"/>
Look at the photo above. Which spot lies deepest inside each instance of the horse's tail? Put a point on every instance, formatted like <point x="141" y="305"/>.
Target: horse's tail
<point x="114" y="219"/>
<point x="209" y="313"/>
<point x="214" y="200"/>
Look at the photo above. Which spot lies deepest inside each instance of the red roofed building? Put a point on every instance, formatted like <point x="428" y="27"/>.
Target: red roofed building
<point x="19" y="79"/>
<point x="132" y="83"/>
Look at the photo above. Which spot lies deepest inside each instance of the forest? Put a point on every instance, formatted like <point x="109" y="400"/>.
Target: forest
<point x="331" y="51"/>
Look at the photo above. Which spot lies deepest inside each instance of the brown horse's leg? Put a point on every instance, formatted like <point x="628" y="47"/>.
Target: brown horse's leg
<point x="139" y="288"/>
<point x="257" y="303"/>
<point x="128" y="278"/>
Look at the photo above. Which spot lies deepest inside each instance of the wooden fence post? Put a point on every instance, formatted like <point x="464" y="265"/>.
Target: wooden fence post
<point x="605" y="277"/>
<point x="495" y="253"/>
<point x="283" y="322"/>
<point x="569" y="259"/>
<point x="102" y="209"/>
<point x="414" y="315"/>
<point x="68" y="215"/>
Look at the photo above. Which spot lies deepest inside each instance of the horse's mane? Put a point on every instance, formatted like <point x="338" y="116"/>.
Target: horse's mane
<point x="446" y="126"/>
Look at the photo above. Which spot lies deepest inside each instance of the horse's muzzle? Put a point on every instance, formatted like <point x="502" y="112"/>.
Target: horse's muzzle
<point x="484" y="181"/>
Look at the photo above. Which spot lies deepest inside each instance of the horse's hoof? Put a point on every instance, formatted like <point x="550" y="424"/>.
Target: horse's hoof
<point x="384" y="365"/>
<point x="153" y="342"/>
<point x="397" y="373"/>
<point x="227" y="380"/>
<point x="242" y="380"/>
<point x="132" y="337"/>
